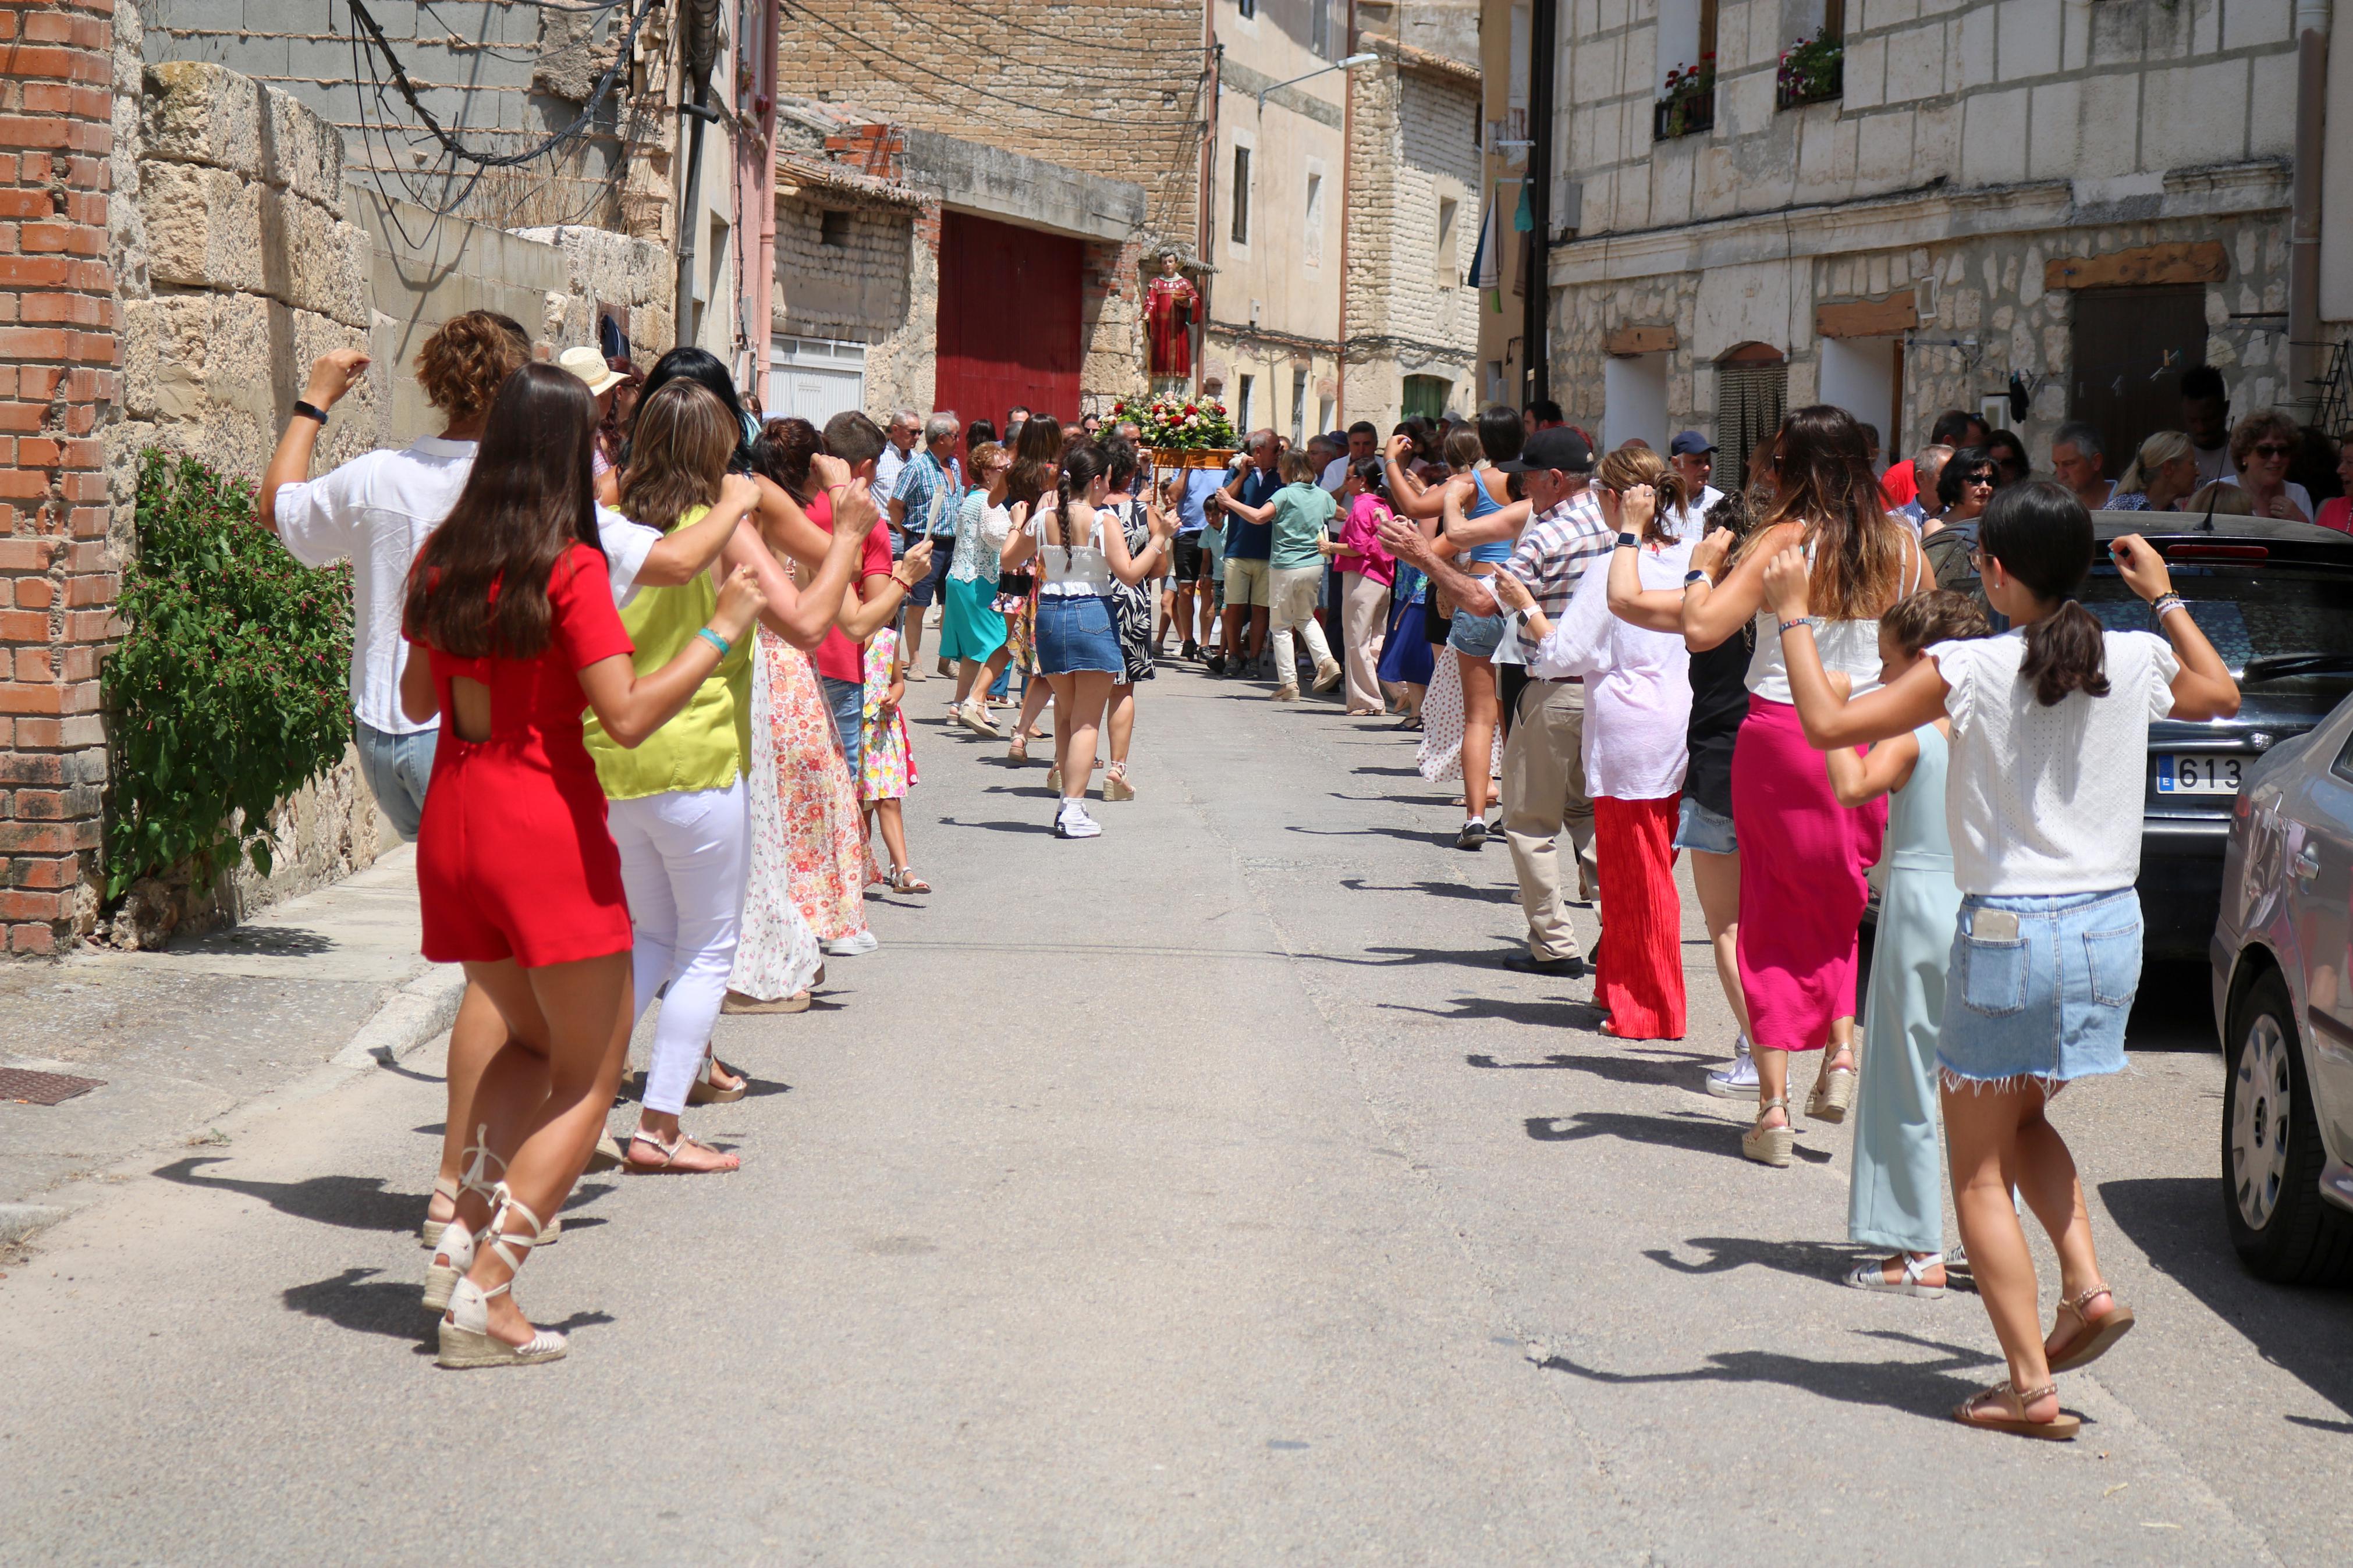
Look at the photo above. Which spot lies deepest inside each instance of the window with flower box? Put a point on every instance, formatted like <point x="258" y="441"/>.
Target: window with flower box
<point x="1687" y="38"/>
<point x="1813" y="67"/>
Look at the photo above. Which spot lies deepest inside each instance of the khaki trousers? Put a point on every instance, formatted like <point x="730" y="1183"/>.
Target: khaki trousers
<point x="1544" y="795"/>
<point x="1362" y="602"/>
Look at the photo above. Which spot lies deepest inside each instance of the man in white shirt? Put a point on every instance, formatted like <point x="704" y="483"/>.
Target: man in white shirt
<point x="898" y="446"/>
<point x="1364" y="443"/>
<point x="1693" y="458"/>
<point x="2206" y="419"/>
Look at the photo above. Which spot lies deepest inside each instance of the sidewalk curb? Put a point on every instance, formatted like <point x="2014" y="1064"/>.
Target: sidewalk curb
<point x="417" y="1013"/>
<point x="424" y="1007"/>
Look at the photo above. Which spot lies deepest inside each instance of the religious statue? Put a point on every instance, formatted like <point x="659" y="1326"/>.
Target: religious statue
<point x="1169" y="303"/>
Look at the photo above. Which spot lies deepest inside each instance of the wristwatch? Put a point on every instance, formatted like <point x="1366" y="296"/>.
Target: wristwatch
<point x="310" y="411"/>
<point x="1693" y="576"/>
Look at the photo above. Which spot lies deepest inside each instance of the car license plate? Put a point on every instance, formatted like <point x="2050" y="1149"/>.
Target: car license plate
<point x="2194" y="773"/>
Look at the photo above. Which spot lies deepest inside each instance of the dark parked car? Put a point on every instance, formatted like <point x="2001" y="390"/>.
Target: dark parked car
<point x="2285" y="1006"/>
<point x="2277" y="601"/>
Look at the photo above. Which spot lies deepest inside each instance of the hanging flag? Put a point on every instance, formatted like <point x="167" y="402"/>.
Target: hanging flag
<point x="1486" y="271"/>
<point x="1525" y="219"/>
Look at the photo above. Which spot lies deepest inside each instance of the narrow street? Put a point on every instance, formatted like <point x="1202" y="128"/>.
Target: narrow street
<point x="1205" y="1193"/>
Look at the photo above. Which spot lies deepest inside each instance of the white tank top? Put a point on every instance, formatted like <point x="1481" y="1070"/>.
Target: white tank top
<point x="1850" y="646"/>
<point x="1081" y="570"/>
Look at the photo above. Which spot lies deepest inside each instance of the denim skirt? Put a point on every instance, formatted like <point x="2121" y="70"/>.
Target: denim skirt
<point x="1478" y="635"/>
<point x="2040" y="986"/>
<point x="1075" y="633"/>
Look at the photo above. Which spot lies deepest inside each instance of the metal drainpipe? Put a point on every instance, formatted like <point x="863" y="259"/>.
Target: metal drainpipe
<point x="2304" y="224"/>
<point x="1537" y="348"/>
<point x="1209" y="271"/>
<point x="698" y="51"/>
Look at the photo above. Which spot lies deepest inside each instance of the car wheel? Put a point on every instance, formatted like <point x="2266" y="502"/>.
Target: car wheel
<point x="2284" y="1231"/>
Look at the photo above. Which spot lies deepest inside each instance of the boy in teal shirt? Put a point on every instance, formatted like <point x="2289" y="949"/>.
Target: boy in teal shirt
<point x="1300" y="513"/>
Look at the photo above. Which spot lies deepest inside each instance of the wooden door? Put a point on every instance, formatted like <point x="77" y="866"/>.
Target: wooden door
<point x="1009" y="324"/>
<point x="2130" y="348"/>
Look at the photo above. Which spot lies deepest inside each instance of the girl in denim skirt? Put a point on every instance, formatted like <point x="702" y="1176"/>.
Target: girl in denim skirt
<point x="2050" y="742"/>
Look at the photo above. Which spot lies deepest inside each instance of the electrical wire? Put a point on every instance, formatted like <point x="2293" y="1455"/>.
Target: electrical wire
<point x="1139" y="76"/>
<point x="881" y="52"/>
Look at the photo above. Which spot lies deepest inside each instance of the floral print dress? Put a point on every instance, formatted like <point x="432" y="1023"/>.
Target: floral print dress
<point x="808" y="846"/>
<point x="888" y="761"/>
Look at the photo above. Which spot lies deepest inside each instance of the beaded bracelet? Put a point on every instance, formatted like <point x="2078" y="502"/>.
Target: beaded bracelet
<point x="2163" y="605"/>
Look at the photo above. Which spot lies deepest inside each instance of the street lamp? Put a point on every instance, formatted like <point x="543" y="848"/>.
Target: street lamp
<point x="1351" y="63"/>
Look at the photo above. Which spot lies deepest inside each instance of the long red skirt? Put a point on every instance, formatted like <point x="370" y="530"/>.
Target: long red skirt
<point x="1639" y="978"/>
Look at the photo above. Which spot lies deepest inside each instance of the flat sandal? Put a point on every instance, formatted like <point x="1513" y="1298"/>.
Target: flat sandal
<point x="2061" y="1428"/>
<point x="2092" y="1340"/>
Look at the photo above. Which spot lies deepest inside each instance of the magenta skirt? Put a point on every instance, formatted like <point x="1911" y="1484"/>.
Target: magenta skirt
<point x="1804" y="864"/>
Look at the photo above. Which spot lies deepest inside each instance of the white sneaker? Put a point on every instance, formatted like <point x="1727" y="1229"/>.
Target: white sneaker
<point x="1075" y="822"/>
<point x="1737" y="1081"/>
<point x="855" y="943"/>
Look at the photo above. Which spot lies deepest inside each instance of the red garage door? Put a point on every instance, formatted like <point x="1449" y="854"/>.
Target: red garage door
<point x="1008" y="320"/>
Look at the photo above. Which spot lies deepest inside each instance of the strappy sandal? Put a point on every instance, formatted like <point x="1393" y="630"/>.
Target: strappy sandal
<point x="466" y="1337"/>
<point x="1019" y="751"/>
<point x="1115" y="785"/>
<point x="1770" y="1146"/>
<point x="1833" y="1093"/>
<point x="2092" y="1340"/>
<point x="702" y="1092"/>
<point x="1873" y="1275"/>
<point x="2061" y="1428"/>
<point x="905" y="881"/>
<point x="430" y="1231"/>
<point x="453" y="1249"/>
<point x="668" y="1167"/>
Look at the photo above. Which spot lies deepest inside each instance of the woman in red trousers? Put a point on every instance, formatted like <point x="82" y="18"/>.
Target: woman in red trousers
<point x="517" y="876"/>
<point x="1637" y="711"/>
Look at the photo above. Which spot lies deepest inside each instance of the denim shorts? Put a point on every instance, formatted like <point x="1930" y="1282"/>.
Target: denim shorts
<point x="1478" y="635"/>
<point x="2049" y="1003"/>
<point x="846" y="702"/>
<point x="397" y="768"/>
<point x="1075" y="635"/>
<point x="1709" y="832"/>
<point x="934" y="584"/>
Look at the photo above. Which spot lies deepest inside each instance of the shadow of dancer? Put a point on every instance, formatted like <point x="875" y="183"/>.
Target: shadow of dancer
<point x="1928" y="1389"/>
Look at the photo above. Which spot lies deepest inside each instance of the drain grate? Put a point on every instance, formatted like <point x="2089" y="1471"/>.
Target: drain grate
<point x="43" y="1087"/>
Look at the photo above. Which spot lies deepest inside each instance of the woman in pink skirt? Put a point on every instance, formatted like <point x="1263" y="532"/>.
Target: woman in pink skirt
<point x="1804" y="858"/>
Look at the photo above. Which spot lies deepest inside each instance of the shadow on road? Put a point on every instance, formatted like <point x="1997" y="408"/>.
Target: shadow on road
<point x="356" y="1203"/>
<point x="354" y="1299"/>
<point x="2177" y="1221"/>
<point x="1675" y="1073"/>
<point x="1926" y="1388"/>
<point x="1686" y="1130"/>
<point x="1563" y="1014"/>
<point x="1046" y="828"/>
<point x="1496" y="895"/>
<point x="1827" y="1261"/>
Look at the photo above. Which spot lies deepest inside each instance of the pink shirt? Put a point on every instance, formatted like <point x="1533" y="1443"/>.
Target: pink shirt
<point x="1361" y="548"/>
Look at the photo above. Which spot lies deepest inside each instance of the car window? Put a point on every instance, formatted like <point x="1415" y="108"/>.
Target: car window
<point x="2342" y="766"/>
<point x="2246" y="612"/>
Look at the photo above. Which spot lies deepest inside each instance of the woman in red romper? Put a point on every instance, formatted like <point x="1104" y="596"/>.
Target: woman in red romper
<point x="518" y="877"/>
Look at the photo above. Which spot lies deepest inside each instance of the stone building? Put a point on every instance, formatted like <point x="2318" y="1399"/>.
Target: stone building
<point x="1058" y="147"/>
<point x="2045" y="212"/>
<point x="1343" y="211"/>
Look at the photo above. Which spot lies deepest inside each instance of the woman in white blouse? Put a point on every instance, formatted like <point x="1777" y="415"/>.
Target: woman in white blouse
<point x="1637" y="711"/>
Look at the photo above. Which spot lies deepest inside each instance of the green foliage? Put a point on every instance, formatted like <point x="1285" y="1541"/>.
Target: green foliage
<point x="229" y="689"/>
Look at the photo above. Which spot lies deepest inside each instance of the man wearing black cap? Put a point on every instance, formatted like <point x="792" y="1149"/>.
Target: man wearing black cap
<point x="1544" y="760"/>
<point x="1693" y="458"/>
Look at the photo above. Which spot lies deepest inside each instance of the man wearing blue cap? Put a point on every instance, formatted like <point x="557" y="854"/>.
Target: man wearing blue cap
<point x="1693" y="458"/>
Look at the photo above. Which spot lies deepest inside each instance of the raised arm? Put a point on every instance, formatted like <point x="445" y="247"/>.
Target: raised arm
<point x="631" y="707"/>
<point x="1652" y="609"/>
<point x="1916" y="697"/>
<point x="2202" y="688"/>
<point x="333" y="376"/>
<point x="1713" y="610"/>
<point x="1133" y="569"/>
<point x="1408" y="494"/>
<point x="801" y="616"/>
<point x="1860" y="778"/>
<point x="685" y="553"/>
<point x="1471" y="595"/>
<point x="1467" y="532"/>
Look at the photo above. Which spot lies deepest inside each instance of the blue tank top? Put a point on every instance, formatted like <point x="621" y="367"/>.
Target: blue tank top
<point x="1917" y="836"/>
<point x="1497" y="551"/>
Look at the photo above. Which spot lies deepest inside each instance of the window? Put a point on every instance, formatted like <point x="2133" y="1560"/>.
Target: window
<point x="1314" y="248"/>
<point x="1242" y="403"/>
<point x="1449" y="258"/>
<point x="1246" y="9"/>
<point x="1242" y="195"/>
<point x="833" y="227"/>
<point x="1686" y="55"/>
<point x="1298" y="408"/>
<point x="1752" y="392"/>
<point x="1319" y="27"/>
<point x="1426" y="396"/>
<point x="1813" y="64"/>
<point x="1325" y="409"/>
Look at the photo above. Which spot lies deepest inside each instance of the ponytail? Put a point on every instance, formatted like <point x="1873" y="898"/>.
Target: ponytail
<point x="2042" y="537"/>
<point x="2065" y="652"/>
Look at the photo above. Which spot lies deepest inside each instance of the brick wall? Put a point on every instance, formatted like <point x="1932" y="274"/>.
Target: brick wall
<point x="59" y="378"/>
<point x="1115" y="87"/>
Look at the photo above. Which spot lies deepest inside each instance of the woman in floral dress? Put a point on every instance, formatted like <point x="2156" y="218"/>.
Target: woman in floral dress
<point x="887" y="762"/>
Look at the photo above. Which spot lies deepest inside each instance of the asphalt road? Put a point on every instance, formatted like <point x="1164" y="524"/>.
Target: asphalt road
<point x="1200" y="1193"/>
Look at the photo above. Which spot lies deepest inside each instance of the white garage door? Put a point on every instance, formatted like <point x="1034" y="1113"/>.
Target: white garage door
<point x="815" y="379"/>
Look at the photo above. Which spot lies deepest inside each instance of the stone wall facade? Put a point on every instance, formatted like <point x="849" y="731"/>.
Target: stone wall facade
<point x="1119" y="88"/>
<point x="1413" y="168"/>
<point x="1972" y="145"/>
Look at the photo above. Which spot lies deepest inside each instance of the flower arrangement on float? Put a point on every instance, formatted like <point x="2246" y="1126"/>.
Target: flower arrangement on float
<point x="1182" y="433"/>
